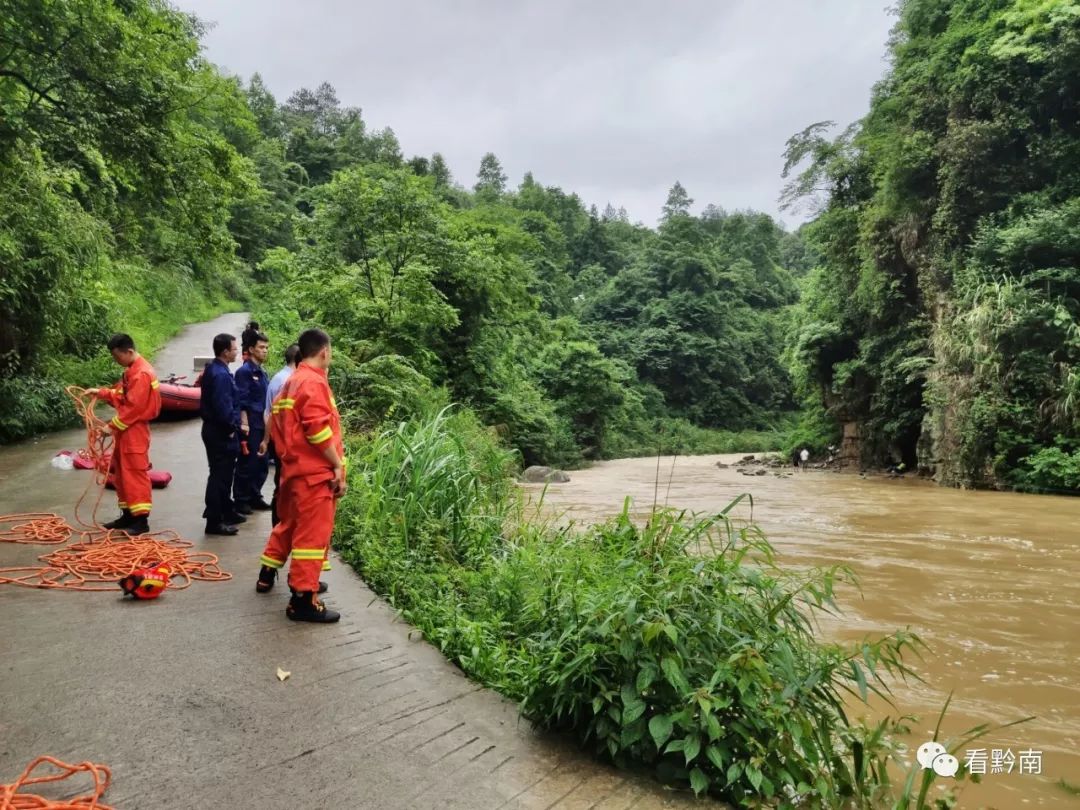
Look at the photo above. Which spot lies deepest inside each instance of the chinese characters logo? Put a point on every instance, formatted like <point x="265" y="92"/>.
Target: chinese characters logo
<point x="977" y="760"/>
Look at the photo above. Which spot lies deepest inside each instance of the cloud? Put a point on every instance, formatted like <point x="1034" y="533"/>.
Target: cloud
<point x="613" y="99"/>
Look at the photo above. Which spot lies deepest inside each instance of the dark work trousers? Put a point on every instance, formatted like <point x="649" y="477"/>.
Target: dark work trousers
<point x="251" y="469"/>
<point x="274" y="517"/>
<point x="221" y="450"/>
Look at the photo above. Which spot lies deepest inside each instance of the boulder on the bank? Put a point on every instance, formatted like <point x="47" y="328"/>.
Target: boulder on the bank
<point x="544" y="475"/>
<point x="722" y="465"/>
<point x="748" y="458"/>
<point x="761" y="472"/>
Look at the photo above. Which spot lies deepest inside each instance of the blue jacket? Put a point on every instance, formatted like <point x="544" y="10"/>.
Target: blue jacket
<point x="251" y="384"/>
<point x="218" y="403"/>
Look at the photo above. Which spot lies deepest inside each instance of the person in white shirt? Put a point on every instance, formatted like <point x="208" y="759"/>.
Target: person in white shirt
<point x="292" y="357"/>
<point x="804" y="456"/>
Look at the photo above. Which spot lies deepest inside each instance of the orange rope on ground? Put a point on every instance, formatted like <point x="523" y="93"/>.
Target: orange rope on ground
<point x="35" y="527"/>
<point x="12" y="799"/>
<point x="103" y="558"/>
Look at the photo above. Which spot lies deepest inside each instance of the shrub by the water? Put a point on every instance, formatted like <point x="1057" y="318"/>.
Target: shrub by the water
<point x="678" y="646"/>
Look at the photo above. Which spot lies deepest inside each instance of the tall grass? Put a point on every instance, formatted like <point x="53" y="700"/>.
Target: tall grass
<point x="444" y="492"/>
<point x="678" y="646"/>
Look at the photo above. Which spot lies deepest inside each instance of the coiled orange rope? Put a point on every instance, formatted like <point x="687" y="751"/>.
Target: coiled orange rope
<point x="102" y="558"/>
<point x="12" y="799"/>
<point x="35" y="527"/>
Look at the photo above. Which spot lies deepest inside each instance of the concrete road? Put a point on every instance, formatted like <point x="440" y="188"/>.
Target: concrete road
<point x="180" y="697"/>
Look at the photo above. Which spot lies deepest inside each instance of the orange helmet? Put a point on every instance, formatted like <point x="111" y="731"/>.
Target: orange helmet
<point x="146" y="583"/>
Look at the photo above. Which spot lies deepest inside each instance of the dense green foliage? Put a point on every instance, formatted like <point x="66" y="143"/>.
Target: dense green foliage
<point x="943" y="314"/>
<point x="122" y="155"/>
<point x="678" y="646"/>
<point x="697" y="310"/>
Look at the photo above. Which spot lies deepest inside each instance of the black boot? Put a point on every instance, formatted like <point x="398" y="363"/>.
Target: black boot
<point x="267" y="577"/>
<point x="139" y="525"/>
<point x="306" y="607"/>
<point x="121" y="522"/>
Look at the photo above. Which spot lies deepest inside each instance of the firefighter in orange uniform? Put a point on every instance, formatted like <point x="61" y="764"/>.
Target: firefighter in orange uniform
<point x="137" y="401"/>
<point x="306" y="431"/>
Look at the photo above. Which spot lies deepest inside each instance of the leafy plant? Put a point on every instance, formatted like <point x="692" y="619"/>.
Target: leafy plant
<point x="1051" y="469"/>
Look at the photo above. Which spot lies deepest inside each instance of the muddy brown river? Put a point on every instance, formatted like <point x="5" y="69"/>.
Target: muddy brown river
<point x="990" y="581"/>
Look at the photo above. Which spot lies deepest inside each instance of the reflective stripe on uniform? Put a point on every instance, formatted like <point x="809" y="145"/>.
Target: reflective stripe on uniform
<point x="321" y="436"/>
<point x="309" y="554"/>
<point x="116" y="423"/>
<point x="154" y="384"/>
<point x="140" y="508"/>
<point x="283" y="405"/>
<point x="271" y="562"/>
<point x="326" y="565"/>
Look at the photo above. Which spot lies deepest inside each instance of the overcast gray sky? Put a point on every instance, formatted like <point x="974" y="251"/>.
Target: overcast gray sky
<point x="613" y="99"/>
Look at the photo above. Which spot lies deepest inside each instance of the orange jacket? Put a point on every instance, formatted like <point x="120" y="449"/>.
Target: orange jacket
<point x="137" y="401"/>
<point x="304" y="417"/>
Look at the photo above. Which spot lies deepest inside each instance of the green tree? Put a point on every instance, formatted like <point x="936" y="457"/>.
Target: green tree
<point x="373" y="247"/>
<point x="678" y="202"/>
<point x="490" y="179"/>
<point x="440" y="171"/>
<point x="420" y="165"/>
<point x="698" y="315"/>
<point x="264" y="107"/>
<point x="588" y="388"/>
<point x="126" y="165"/>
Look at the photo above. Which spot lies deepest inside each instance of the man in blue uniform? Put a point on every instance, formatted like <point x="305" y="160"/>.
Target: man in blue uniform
<point x="251" y="468"/>
<point x="221" y="424"/>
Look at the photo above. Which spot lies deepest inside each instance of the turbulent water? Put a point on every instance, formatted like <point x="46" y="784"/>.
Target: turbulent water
<point x="989" y="580"/>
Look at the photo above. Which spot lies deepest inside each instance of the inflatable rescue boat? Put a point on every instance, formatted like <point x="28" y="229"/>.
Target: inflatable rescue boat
<point x="178" y="399"/>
